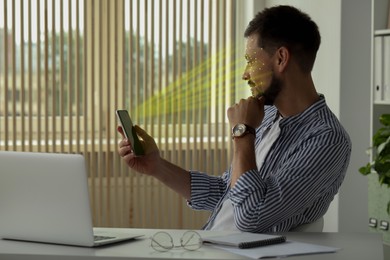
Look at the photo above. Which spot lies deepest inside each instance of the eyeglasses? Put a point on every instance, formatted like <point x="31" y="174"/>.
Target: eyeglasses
<point x="162" y="241"/>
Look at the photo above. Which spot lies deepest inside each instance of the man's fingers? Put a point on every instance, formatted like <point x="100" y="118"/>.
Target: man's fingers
<point x="120" y="130"/>
<point x="150" y="144"/>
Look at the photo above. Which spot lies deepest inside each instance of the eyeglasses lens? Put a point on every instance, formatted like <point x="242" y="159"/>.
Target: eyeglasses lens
<point x="191" y="240"/>
<point x="162" y="241"/>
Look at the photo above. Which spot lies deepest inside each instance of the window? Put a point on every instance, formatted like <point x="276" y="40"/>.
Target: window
<point x="66" y="65"/>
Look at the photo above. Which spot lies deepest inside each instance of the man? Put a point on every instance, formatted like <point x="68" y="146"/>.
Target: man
<point x="290" y="153"/>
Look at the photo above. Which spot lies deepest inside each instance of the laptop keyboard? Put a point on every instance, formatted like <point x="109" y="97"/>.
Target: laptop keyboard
<point x="99" y="238"/>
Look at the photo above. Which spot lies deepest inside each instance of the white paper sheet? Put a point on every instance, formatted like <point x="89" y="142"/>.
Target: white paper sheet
<point x="289" y="248"/>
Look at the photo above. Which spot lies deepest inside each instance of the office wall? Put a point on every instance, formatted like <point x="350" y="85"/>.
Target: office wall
<point x="355" y="110"/>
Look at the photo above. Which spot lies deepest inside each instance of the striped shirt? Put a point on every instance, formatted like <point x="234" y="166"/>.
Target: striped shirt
<point x="301" y="174"/>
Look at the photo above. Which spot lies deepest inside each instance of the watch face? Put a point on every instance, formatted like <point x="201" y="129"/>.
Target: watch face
<point x="239" y="130"/>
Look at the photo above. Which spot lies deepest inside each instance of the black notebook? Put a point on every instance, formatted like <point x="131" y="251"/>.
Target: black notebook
<point x="245" y="240"/>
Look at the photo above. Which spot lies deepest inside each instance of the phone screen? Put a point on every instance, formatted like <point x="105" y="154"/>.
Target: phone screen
<point x="129" y="131"/>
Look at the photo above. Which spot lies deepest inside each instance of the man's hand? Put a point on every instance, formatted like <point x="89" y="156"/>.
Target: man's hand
<point x="148" y="163"/>
<point x="152" y="164"/>
<point x="248" y="111"/>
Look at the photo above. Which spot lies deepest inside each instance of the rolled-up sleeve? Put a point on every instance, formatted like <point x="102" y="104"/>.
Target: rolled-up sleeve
<point x="206" y="190"/>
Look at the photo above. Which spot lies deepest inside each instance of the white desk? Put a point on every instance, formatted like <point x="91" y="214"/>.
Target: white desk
<point x="357" y="246"/>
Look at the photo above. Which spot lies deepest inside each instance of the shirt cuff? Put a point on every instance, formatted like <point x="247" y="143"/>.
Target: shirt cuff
<point x="203" y="189"/>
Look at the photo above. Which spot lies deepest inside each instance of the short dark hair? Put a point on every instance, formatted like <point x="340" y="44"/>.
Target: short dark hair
<point x="289" y="27"/>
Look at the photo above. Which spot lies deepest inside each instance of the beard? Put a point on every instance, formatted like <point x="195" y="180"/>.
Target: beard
<point x="272" y="92"/>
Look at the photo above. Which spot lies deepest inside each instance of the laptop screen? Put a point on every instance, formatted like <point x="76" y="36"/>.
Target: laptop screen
<point x="44" y="197"/>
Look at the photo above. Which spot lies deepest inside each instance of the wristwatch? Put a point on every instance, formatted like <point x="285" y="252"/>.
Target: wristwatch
<point x="240" y="130"/>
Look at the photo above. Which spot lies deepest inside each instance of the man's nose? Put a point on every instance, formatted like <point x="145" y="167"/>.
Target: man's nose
<point x="245" y="76"/>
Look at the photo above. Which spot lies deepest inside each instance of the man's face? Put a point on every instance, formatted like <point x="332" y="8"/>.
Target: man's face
<point x="259" y="71"/>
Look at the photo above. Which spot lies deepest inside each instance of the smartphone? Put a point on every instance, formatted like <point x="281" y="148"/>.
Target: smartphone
<point x="129" y="131"/>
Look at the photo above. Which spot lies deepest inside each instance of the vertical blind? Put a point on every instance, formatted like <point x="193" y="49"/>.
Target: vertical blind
<point x="66" y="65"/>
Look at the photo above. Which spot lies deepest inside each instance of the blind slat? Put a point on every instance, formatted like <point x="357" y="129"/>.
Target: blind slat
<point x="14" y="83"/>
<point x="22" y="77"/>
<point x="6" y="86"/>
<point x="30" y="81"/>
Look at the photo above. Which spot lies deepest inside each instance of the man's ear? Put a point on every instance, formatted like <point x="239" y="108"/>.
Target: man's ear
<point x="282" y="58"/>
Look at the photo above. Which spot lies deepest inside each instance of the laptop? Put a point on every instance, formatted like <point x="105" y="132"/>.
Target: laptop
<point x="44" y="198"/>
